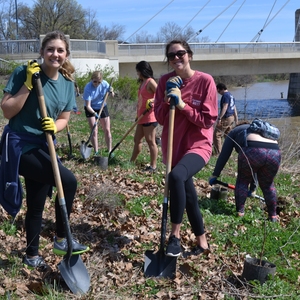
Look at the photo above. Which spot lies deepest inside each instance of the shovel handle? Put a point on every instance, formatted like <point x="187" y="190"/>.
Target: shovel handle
<point x="231" y="186"/>
<point x="54" y="163"/>
<point x="128" y="131"/>
<point x="168" y="170"/>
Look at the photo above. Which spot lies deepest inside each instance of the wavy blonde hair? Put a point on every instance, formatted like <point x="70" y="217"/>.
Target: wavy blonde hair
<point x="67" y="69"/>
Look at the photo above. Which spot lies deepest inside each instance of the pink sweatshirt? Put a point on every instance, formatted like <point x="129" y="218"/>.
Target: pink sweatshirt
<point x="193" y="126"/>
<point x="143" y="96"/>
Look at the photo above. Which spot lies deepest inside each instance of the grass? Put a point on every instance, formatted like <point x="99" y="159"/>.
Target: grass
<point x="118" y="211"/>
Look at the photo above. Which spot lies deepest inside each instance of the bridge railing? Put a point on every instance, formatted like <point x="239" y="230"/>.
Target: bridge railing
<point x="210" y="48"/>
<point x="8" y="47"/>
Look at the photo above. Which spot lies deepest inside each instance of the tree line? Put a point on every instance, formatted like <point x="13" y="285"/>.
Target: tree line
<point x="19" y="21"/>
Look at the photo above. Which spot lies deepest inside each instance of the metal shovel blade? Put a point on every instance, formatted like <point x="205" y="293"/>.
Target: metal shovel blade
<point x="159" y="265"/>
<point x="102" y="161"/>
<point x="85" y="150"/>
<point x="75" y="274"/>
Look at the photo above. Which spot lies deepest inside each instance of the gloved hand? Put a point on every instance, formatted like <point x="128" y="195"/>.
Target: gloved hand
<point x="96" y="116"/>
<point x="111" y="89"/>
<point x="149" y="104"/>
<point x="48" y="125"/>
<point x="32" y="68"/>
<point x="174" y="82"/>
<point x="175" y="93"/>
<point x="212" y="180"/>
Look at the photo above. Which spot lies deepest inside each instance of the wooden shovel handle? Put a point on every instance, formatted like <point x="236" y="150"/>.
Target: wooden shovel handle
<point x="50" y="142"/>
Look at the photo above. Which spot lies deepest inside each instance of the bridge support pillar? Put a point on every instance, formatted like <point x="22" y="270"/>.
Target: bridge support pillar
<point x="294" y="84"/>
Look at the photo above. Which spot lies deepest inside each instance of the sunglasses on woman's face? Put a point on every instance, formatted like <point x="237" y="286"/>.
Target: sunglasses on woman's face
<point x="180" y="54"/>
<point x="96" y="81"/>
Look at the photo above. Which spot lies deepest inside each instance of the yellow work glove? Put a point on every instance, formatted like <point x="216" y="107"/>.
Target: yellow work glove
<point x="32" y="68"/>
<point x="149" y="104"/>
<point x="175" y="94"/>
<point x="173" y="82"/>
<point x="48" y="125"/>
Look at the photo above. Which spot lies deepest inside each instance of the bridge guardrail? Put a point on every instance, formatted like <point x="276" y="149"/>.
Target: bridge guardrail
<point x="93" y="46"/>
<point x="210" y="48"/>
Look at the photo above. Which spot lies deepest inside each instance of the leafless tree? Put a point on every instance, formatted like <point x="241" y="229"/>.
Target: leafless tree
<point x="47" y="15"/>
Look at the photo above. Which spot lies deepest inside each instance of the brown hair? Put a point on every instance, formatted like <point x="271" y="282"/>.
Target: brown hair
<point x="67" y="69"/>
<point x="97" y="74"/>
<point x="184" y="44"/>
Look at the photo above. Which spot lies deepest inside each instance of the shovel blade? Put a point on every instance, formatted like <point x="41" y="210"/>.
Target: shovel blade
<point x="102" y="162"/>
<point x="75" y="274"/>
<point x="159" y="265"/>
<point x="85" y="150"/>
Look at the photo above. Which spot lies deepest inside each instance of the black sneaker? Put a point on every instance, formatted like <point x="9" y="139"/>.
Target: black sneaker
<point x="61" y="248"/>
<point x="36" y="262"/>
<point x="199" y="250"/>
<point x="173" y="247"/>
<point x="149" y="169"/>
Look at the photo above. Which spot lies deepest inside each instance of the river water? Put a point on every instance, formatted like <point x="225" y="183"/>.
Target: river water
<point x="266" y="100"/>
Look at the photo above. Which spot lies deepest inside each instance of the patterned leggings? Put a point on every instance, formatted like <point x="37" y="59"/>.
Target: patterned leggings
<point x="265" y="163"/>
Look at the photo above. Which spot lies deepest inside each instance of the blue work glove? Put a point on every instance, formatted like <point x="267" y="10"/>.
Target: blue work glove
<point x="32" y="68"/>
<point x="96" y="116"/>
<point x="174" y="82"/>
<point x="48" y="125"/>
<point x="212" y="180"/>
<point x="175" y="94"/>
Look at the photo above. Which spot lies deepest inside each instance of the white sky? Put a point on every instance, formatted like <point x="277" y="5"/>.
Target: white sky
<point x="218" y="19"/>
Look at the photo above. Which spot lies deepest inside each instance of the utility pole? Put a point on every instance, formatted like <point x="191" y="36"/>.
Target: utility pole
<point x="17" y="27"/>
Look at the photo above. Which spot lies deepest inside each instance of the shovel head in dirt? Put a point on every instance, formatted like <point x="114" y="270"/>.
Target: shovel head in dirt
<point x="85" y="150"/>
<point x="159" y="265"/>
<point x="75" y="274"/>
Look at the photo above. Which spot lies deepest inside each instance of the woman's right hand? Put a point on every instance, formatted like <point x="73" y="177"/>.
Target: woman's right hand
<point x="32" y="68"/>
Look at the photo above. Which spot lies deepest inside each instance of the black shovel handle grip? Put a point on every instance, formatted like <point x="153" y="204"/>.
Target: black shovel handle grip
<point x="230" y="186"/>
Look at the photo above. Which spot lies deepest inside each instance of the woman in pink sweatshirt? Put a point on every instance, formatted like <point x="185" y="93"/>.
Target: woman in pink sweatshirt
<point x="195" y="97"/>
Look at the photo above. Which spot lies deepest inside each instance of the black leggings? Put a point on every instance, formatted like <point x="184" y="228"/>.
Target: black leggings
<point x="183" y="194"/>
<point x="35" y="166"/>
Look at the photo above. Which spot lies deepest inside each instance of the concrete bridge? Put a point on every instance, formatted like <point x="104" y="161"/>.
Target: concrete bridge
<point x="216" y="59"/>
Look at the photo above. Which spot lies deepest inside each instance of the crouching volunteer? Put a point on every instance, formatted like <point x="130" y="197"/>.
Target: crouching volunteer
<point x="258" y="153"/>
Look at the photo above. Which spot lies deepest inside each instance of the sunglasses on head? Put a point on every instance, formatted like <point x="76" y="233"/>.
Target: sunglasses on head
<point x="179" y="54"/>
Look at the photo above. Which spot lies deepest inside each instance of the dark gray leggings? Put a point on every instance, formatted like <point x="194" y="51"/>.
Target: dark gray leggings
<point x="183" y="194"/>
<point x="35" y="166"/>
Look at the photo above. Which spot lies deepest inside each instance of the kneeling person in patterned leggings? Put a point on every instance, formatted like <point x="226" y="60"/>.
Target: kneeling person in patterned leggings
<point x="256" y="154"/>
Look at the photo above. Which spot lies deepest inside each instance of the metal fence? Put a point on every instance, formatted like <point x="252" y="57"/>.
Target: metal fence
<point x="92" y="46"/>
<point x="210" y="48"/>
<point x="33" y="46"/>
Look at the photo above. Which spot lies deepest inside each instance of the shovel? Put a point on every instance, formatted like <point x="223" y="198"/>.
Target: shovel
<point x="128" y="131"/>
<point x="70" y="155"/>
<point x="85" y="148"/>
<point x="231" y="186"/>
<point x="72" y="269"/>
<point x="158" y="264"/>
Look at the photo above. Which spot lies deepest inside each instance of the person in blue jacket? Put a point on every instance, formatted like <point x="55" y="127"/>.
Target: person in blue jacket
<point x="23" y="144"/>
